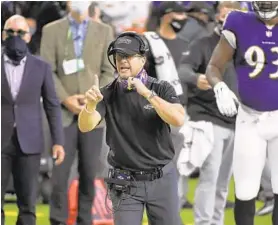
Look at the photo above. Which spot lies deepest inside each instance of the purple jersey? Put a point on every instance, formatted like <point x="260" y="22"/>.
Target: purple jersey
<point x="256" y="60"/>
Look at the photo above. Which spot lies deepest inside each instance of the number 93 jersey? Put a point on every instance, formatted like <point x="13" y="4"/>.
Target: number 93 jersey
<point x="256" y="59"/>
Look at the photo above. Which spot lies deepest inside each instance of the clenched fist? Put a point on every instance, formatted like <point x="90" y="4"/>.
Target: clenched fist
<point x="202" y="83"/>
<point x="93" y="96"/>
<point x="137" y="84"/>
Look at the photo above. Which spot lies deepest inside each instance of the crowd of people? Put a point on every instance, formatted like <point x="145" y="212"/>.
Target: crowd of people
<point x="146" y="90"/>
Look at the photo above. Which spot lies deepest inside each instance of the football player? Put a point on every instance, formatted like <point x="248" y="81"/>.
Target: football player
<point x="252" y="40"/>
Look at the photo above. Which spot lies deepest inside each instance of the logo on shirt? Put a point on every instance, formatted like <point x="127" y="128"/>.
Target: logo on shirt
<point x="186" y="53"/>
<point x="268" y="33"/>
<point x="148" y="107"/>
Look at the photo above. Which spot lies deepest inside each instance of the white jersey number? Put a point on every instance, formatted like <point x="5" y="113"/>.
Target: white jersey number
<point x="255" y="57"/>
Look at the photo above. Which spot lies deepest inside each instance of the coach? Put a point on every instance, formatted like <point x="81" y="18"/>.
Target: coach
<point x="138" y="110"/>
<point x="25" y="80"/>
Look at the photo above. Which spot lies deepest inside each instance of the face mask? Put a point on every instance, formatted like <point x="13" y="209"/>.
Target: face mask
<point x="177" y="25"/>
<point x="15" y="48"/>
<point x="80" y="7"/>
<point x="33" y="30"/>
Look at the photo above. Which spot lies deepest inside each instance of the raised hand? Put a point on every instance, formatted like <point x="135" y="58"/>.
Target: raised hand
<point x="94" y="95"/>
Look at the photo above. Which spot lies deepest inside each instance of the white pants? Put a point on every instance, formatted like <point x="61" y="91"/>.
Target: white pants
<point x="256" y="138"/>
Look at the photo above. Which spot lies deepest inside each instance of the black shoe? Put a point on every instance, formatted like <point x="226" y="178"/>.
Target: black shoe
<point x="187" y="205"/>
<point x="266" y="209"/>
<point x="229" y="205"/>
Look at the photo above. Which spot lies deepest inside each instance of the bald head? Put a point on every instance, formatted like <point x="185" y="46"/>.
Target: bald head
<point x="17" y="23"/>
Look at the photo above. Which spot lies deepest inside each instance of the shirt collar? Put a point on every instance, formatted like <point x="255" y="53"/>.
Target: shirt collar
<point x="73" y="22"/>
<point x="8" y="60"/>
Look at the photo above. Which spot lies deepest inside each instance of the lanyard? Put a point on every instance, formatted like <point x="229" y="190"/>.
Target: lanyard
<point x="69" y="37"/>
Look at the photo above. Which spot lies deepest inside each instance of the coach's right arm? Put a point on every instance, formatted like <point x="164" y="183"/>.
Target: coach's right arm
<point x="94" y="111"/>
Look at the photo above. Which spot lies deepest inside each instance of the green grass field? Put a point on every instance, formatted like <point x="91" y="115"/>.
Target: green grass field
<point x="187" y="215"/>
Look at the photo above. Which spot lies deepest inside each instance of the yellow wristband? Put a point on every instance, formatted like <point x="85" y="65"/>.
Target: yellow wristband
<point x="87" y="111"/>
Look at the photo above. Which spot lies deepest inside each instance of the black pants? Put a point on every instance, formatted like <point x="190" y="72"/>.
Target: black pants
<point x="88" y="145"/>
<point x="159" y="197"/>
<point x="25" y="170"/>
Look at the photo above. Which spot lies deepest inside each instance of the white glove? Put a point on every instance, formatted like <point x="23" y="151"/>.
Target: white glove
<point x="226" y="100"/>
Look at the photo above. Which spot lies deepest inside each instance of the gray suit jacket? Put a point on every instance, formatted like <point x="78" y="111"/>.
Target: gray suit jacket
<point x="53" y="45"/>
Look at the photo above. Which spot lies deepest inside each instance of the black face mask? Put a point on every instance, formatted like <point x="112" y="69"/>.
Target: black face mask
<point x="177" y="25"/>
<point x="15" y="48"/>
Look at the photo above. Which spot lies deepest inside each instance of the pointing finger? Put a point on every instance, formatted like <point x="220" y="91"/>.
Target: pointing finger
<point x="96" y="81"/>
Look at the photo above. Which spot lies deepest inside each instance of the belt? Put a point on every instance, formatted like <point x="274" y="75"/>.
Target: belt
<point x="151" y="174"/>
<point x="147" y="176"/>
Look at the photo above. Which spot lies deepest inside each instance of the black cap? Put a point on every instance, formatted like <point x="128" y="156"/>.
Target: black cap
<point x="171" y="6"/>
<point x="126" y="45"/>
<point x="203" y="7"/>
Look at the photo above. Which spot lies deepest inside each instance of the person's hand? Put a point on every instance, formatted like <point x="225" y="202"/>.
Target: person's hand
<point x="135" y="83"/>
<point x="83" y="101"/>
<point x="202" y="83"/>
<point x="73" y="103"/>
<point x="226" y="100"/>
<point x="58" y="154"/>
<point x="93" y="96"/>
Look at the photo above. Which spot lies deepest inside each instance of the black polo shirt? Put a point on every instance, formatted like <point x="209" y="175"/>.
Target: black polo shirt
<point x="201" y="104"/>
<point x="138" y="138"/>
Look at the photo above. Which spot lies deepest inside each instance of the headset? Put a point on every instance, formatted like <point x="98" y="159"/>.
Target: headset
<point x="143" y="49"/>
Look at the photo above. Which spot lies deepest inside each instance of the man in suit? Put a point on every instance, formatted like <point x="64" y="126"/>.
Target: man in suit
<point x="76" y="46"/>
<point x="25" y="80"/>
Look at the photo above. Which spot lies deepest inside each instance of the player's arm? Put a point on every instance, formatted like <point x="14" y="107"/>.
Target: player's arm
<point x="222" y="54"/>
<point x="225" y="49"/>
<point x="226" y="100"/>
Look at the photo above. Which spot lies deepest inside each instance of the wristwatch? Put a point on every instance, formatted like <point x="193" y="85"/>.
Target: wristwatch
<point x="151" y="95"/>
